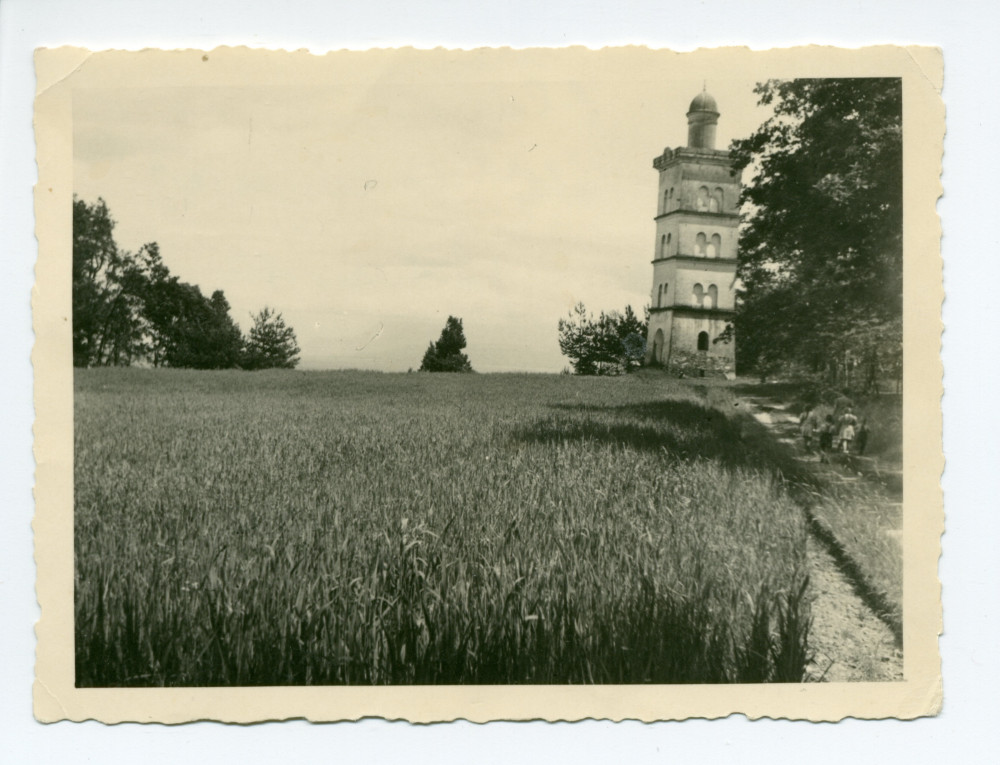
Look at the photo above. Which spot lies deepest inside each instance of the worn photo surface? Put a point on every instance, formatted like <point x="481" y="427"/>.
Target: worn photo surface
<point x="488" y="384"/>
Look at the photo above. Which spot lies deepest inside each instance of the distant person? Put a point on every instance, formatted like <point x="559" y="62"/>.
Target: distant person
<point x="847" y="426"/>
<point x="826" y="438"/>
<point x="808" y="425"/>
<point x="840" y="405"/>
<point x="861" y="440"/>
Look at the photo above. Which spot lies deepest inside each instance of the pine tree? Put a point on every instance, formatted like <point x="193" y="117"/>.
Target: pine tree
<point x="446" y="354"/>
<point x="271" y="343"/>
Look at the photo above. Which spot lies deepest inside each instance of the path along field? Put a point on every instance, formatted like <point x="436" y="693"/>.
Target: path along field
<point x="856" y="501"/>
<point x="238" y="528"/>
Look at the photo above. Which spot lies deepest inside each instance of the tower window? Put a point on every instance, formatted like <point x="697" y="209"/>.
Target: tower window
<point x="703" y="200"/>
<point x="666" y="200"/>
<point x="715" y="248"/>
<point x="712" y="299"/>
<point x="719" y="198"/>
<point x="659" y="296"/>
<point x="698" y="296"/>
<point x="700" y="244"/>
<point x="703" y="341"/>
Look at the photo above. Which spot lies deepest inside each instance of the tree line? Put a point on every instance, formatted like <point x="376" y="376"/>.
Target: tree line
<point x="821" y="244"/>
<point x="129" y="309"/>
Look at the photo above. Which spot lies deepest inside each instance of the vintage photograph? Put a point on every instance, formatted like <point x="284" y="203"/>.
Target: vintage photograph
<point x="497" y="368"/>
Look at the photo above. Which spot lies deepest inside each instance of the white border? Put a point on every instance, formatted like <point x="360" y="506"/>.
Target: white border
<point x="965" y="29"/>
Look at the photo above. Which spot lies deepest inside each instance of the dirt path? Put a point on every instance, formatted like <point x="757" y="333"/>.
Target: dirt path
<point x="849" y="642"/>
<point x="784" y="425"/>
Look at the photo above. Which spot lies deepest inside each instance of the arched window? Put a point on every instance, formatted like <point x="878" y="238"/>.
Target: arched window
<point x="666" y="198"/>
<point x="712" y="300"/>
<point x="671" y="194"/>
<point x="702" y="202"/>
<point x="665" y="286"/>
<point x="700" y="243"/>
<point x="713" y="204"/>
<point x="715" y="250"/>
<point x="659" y="296"/>
<point x="697" y="295"/>
<point x="703" y="341"/>
<point x="719" y="198"/>
<point x="663" y="246"/>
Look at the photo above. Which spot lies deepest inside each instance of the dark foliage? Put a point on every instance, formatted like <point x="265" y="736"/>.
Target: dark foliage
<point x="128" y="308"/>
<point x="108" y="287"/>
<point x="446" y="354"/>
<point x="189" y="330"/>
<point x="271" y="343"/>
<point x="821" y="246"/>
<point x="612" y="344"/>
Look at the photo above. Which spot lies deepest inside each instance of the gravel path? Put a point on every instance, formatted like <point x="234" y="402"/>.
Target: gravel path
<point x="849" y="642"/>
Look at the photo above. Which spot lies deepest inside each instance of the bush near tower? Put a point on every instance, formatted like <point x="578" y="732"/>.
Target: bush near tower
<point x="612" y="344"/>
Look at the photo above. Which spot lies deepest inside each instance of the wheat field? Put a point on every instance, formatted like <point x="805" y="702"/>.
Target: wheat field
<point x="281" y="528"/>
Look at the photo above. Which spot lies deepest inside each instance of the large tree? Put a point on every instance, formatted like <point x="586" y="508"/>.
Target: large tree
<point x="127" y="307"/>
<point x="107" y="291"/>
<point x="821" y="247"/>
<point x="187" y="329"/>
<point x="446" y="354"/>
<point x="613" y="343"/>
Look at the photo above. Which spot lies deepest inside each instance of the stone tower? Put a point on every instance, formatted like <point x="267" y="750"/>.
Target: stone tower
<point x="694" y="267"/>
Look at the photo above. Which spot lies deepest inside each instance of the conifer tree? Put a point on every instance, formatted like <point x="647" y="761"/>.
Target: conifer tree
<point x="271" y="343"/>
<point x="446" y="354"/>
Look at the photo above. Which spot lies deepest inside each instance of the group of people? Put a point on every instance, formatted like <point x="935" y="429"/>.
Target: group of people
<point x="840" y="431"/>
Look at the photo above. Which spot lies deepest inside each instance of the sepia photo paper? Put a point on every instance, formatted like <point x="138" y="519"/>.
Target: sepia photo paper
<point x="691" y="470"/>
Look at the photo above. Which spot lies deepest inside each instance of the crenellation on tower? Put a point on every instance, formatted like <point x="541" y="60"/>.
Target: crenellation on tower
<point x="694" y="264"/>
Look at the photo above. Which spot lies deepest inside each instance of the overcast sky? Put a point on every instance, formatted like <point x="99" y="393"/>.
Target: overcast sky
<point x="368" y="199"/>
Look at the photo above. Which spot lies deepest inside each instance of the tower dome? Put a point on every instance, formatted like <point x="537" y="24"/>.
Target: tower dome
<point x="703" y="102"/>
<point x="703" y="116"/>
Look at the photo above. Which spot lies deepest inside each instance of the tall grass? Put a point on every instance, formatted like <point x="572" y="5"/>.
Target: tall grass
<point x="359" y="528"/>
<point x="867" y="527"/>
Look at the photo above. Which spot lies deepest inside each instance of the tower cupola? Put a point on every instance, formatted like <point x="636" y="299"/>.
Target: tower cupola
<point x="703" y="116"/>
